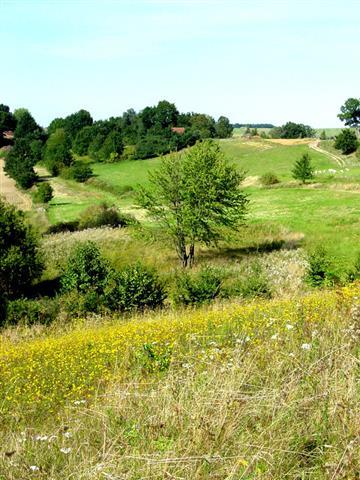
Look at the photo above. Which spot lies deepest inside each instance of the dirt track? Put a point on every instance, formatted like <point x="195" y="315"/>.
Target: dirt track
<point x="11" y="193"/>
<point x="315" y="146"/>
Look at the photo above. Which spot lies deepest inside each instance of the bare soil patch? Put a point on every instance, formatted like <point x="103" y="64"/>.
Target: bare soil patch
<point x="11" y="193"/>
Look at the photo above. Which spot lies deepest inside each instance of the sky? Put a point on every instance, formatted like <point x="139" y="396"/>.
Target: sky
<point x="252" y="61"/>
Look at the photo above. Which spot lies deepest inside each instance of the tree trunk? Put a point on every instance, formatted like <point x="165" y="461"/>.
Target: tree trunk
<point x="191" y="255"/>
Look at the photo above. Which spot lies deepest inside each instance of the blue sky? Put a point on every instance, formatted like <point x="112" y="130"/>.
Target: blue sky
<point x="253" y="61"/>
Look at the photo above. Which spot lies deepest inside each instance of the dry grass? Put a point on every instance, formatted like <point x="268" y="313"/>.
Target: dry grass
<point x="285" y="407"/>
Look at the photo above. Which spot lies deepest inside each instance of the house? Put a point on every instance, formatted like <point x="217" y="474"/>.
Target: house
<point x="178" y="130"/>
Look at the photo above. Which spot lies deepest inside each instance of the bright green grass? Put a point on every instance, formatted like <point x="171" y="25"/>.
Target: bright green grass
<point x="327" y="217"/>
<point x="257" y="157"/>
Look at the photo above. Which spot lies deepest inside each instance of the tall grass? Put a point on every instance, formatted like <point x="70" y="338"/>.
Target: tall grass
<point x="267" y="391"/>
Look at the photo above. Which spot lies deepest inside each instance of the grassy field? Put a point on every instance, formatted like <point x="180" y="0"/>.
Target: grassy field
<point x="266" y="390"/>
<point x="324" y="212"/>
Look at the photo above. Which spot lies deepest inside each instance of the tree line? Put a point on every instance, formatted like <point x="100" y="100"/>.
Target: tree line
<point x="154" y="131"/>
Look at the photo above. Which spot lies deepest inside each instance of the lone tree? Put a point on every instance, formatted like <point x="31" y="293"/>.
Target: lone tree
<point x="303" y="169"/>
<point x="350" y="113"/>
<point x="196" y="198"/>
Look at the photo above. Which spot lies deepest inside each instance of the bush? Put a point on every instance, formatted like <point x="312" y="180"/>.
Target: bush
<point x="268" y="179"/>
<point x="86" y="270"/>
<point x="101" y="215"/>
<point x="29" y="312"/>
<point x="354" y="274"/>
<point x="197" y="288"/>
<point x="20" y="261"/>
<point x="346" y="141"/>
<point x="135" y="287"/>
<point x="79" y="171"/>
<point x="77" y="304"/>
<point x="255" y="284"/>
<point x="320" y="271"/>
<point x="64" y="227"/>
<point x="44" y="193"/>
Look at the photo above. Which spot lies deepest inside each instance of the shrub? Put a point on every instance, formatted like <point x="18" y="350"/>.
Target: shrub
<point x="86" y="269"/>
<point x="268" y="179"/>
<point x="78" y="304"/>
<point x="346" y="141"/>
<point x="20" y="260"/>
<point x="197" y="288"/>
<point x="79" y="171"/>
<point x="60" y="227"/>
<point x="29" y="312"/>
<point x="44" y="193"/>
<point x="255" y="284"/>
<point x="100" y="215"/>
<point x="135" y="287"/>
<point x="320" y="270"/>
<point x="354" y="274"/>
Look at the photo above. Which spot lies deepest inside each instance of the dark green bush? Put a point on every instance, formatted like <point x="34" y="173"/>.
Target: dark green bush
<point x="320" y="271"/>
<point x="135" y="287"/>
<point x="20" y="260"/>
<point x="79" y="171"/>
<point x="86" y="269"/>
<point x="77" y="304"/>
<point x="44" y="193"/>
<point x="64" y="227"/>
<point x="104" y="215"/>
<point x="198" y="288"/>
<point x="268" y="179"/>
<point x="346" y="141"/>
<point x="28" y="312"/>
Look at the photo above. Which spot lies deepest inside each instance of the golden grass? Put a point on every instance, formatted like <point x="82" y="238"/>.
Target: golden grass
<point x="265" y="391"/>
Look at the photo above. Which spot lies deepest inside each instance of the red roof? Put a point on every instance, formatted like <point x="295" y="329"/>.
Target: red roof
<point x="8" y="135"/>
<point x="179" y="130"/>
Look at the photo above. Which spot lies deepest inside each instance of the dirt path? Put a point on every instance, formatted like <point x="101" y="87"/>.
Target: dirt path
<point x="11" y="193"/>
<point x="315" y="146"/>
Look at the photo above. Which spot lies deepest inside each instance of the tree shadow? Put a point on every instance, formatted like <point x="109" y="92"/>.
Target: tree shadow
<point x="45" y="288"/>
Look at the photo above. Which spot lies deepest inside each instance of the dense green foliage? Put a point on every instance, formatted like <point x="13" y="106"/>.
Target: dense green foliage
<point x="57" y="151"/>
<point x="20" y="262"/>
<point x="86" y="270"/>
<point x="320" y="271"/>
<point x="20" y="163"/>
<point x="350" y="112"/>
<point x="78" y="171"/>
<point x="7" y="122"/>
<point x="135" y="287"/>
<point x="44" y="193"/>
<point x="346" y="141"/>
<point x="303" y="169"/>
<point x="97" y="285"/>
<point x="293" y="130"/>
<point x="198" y="288"/>
<point x="194" y="197"/>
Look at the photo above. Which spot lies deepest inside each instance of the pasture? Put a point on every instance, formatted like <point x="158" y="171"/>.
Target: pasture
<point x="326" y="211"/>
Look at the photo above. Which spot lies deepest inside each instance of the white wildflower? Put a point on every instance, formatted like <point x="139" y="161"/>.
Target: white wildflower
<point x="68" y="434"/>
<point x="274" y="337"/>
<point x="34" y="468"/>
<point x="306" y="346"/>
<point x="289" y="326"/>
<point x="66" y="451"/>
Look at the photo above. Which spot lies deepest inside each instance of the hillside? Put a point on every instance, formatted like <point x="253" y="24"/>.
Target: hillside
<point x="144" y="398"/>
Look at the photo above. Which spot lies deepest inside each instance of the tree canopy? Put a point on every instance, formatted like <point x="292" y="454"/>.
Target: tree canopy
<point x="196" y="197"/>
<point x="350" y="112"/>
<point x="20" y="262"/>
